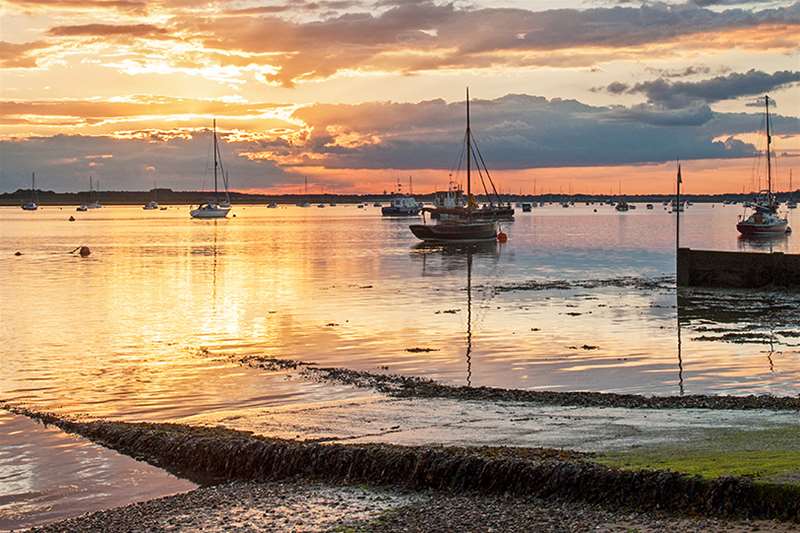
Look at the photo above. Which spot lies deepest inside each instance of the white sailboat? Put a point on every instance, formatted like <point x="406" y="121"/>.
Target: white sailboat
<point x="214" y="208"/>
<point x="152" y="204"/>
<point x="32" y="205"/>
<point x="765" y="219"/>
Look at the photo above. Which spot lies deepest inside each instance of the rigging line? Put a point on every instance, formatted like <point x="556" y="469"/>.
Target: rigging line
<point x="460" y="159"/>
<point x="480" y="174"/>
<point x="480" y="155"/>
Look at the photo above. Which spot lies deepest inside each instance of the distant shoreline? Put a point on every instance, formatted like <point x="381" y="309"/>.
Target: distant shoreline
<point x="170" y="197"/>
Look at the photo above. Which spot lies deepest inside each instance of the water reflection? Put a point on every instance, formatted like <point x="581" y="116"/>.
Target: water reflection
<point x="764" y="243"/>
<point x="452" y="257"/>
<point x="741" y="317"/>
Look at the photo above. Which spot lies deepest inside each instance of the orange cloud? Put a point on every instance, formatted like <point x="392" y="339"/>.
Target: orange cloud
<point x="19" y="55"/>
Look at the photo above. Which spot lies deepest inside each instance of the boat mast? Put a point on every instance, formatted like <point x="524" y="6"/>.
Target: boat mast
<point x="769" y="142"/>
<point x="214" y="137"/>
<point x="33" y="186"/>
<point x="469" y="151"/>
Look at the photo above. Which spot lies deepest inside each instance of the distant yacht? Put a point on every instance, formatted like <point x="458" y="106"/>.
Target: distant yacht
<point x="94" y="202"/>
<point x="272" y="205"/>
<point x="765" y="220"/>
<point x="152" y="204"/>
<point x="215" y="208"/>
<point x="622" y="206"/>
<point x="31" y="205"/>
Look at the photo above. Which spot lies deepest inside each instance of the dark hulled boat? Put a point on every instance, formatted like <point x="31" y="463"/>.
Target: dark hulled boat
<point x="462" y="222"/>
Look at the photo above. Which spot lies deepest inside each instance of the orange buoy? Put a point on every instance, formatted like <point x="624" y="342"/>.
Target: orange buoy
<point x="502" y="237"/>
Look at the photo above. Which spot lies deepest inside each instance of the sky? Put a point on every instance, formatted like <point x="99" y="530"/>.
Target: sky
<point x="588" y="96"/>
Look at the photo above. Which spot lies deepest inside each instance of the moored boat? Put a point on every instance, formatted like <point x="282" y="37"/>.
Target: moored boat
<point x="765" y="219"/>
<point x="461" y="223"/>
<point x="31" y="205"/>
<point x="215" y="208"/>
<point x="402" y="206"/>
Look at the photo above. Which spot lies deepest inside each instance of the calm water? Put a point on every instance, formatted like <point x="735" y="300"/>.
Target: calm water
<point x="144" y="327"/>
<point x="148" y="326"/>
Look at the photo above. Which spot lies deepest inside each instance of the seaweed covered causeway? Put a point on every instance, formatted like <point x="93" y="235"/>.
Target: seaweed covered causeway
<point x="214" y="455"/>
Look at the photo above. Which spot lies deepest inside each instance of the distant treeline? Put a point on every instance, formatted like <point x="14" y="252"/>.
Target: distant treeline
<point x="168" y="196"/>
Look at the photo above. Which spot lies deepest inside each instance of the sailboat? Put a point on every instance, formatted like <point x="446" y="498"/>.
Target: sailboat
<point x="152" y="204"/>
<point x="214" y="208"/>
<point x="466" y="226"/>
<point x="304" y="202"/>
<point x="32" y="205"/>
<point x="765" y="220"/>
<point x="94" y="202"/>
<point x="792" y="202"/>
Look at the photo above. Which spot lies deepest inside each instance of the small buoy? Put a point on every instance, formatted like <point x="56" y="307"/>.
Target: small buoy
<point x="71" y="219"/>
<point x="595" y="210"/>
<point x="18" y="254"/>
<point x="85" y="251"/>
<point x="502" y="237"/>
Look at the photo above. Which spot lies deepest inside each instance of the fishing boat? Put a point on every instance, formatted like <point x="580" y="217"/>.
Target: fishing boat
<point x="402" y="205"/>
<point x="463" y="227"/>
<point x="764" y="219"/>
<point x="31" y="205"/>
<point x="622" y="206"/>
<point x="215" y="208"/>
<point x="272" y="205"/>
<point x="526" y="207"/>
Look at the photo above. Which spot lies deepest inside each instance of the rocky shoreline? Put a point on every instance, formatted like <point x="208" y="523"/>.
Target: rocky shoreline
<point x="416" y="387"/>
<point x="217" y="455"/>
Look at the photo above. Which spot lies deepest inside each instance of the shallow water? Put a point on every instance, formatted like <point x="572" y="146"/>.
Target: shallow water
<point x="144" y="327"/>
<point x="47" y="475"/>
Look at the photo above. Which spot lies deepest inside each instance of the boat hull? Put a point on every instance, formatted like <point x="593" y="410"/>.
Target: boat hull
<point x="400" y="211"/>
<point x="761" y="230"/>
<point x="210" y="213"/>
<point x="455" y="232"/>
<point x="30" y="207"/>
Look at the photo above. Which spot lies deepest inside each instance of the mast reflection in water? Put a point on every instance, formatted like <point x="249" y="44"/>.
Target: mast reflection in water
<point x="457" y="256"/>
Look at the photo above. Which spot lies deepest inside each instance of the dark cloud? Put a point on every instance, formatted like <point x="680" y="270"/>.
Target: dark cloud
<point x="521" y="131"/>
<point x="64" y="162"/>
<point x="515" y="132"/>
<point x="691" y="70"/>
<point x="682" y="94"/>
